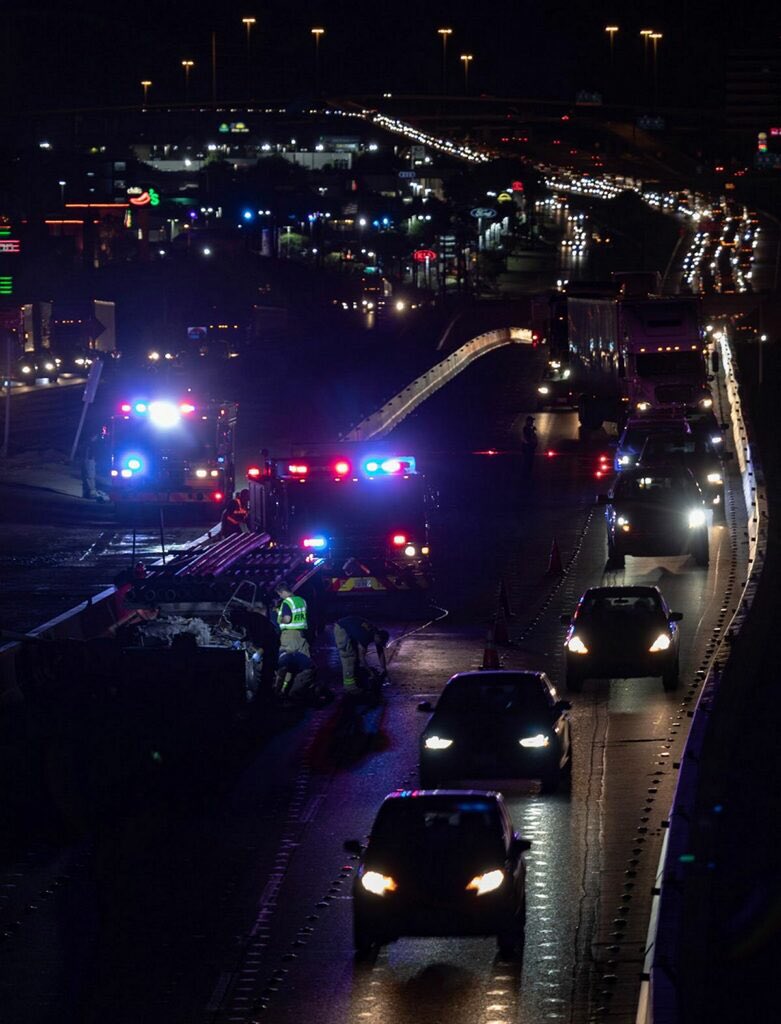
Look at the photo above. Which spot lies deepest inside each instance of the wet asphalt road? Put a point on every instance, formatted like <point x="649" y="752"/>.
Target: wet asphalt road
<point x="226" y="898"/>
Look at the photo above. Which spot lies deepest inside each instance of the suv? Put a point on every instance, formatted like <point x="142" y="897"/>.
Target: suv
<point x="445" y="862"/>
<point x="655" y="511"/>
<point x="637" y="430"/>
<point x="695" y="453"/>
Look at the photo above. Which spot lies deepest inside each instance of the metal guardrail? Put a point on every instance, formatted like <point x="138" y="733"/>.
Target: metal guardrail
<point x="385" y="419"/>
<point x="658" y="1000"/>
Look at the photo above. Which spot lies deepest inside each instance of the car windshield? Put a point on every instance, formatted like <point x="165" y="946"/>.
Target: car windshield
<point x="510" y="698"/>
<point x="447" y="824"/>
<point x="622" y="603"/>
<point x="684" y="446"/>
<point x="650" y="487"/>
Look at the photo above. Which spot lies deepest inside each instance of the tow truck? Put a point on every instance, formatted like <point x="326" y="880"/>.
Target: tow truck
<point x="365" y="513"/>
<point x="169" y="451"/>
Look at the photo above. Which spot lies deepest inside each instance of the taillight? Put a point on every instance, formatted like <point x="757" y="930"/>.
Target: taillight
<point x="217" y="496"/>
<point x="125" y="407"/>
<point x="253" y="472"/>
<point x="298" y="469"/>
<point x="399" y="539"/>
<point x="342" y="467"/>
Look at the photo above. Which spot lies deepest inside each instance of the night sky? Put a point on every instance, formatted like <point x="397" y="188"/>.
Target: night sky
<point x="83" y="53"/>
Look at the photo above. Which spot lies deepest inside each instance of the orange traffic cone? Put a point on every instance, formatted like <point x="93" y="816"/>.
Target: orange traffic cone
<point x="555" y="568"/>
<point x="490" y="654"/>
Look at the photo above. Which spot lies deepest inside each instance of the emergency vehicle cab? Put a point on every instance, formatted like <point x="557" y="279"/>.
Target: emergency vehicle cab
<point x="366" y="514"/>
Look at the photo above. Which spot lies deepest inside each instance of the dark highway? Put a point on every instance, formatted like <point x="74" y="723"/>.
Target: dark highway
<point x="224" y="895"/>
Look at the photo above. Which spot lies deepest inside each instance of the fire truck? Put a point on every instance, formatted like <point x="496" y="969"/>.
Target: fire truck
<point x="172" y="452"/>
<point x="365" y="513"/>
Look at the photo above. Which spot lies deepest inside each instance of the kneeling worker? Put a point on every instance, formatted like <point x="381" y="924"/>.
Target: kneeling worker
<point x="353" y="635"/>
<point x="295" y="676"/>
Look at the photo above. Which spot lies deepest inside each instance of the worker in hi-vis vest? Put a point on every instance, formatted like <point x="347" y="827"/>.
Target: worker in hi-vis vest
<point x="292" y="621"/>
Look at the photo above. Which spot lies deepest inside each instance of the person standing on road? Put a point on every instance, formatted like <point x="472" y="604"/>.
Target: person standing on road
<point x="292" y="621"/>
<point x="528" y="446"/>
<point x="353" y="635"/>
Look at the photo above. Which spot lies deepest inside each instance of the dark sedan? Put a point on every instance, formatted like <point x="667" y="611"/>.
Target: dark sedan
<point x="620" y="633"/>
<point x="655" y="511"/>
<point x="497" y="725"/>
<point x="445" y="863"/>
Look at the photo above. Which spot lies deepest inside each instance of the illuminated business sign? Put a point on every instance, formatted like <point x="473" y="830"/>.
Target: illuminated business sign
<point x="235" y="128"/>
<point x="6" y="284"/>
<point x="517" y="186"/>
<point x="504" y="197"/>
<point x="424" y="255"/>
<point x="762" y="142"/>
<point x="483" y="213"/>
<point x="10" y="245"/>
<point x="775" y="131"/>
<point x="143" y="197"/>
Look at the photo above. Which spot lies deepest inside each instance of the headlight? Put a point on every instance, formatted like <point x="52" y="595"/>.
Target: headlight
<point x="661" y="643"/>
<point x="543" y="389"/>
<point x="643" y="406"/>
<point x="200" y="473"/>
<point x="622" y="521"/>
<point x="706" y="403"/>
<point x="48" y="366"/>
<point x="716" y="439"/>
<point x="487" y="882"/>
<point x="535" y="741"/>
<point x="625" y="460"/>
<point x="576" y="646"/>
<point x="566" y="374"/>
<point x="378" y="884"/>
<point x="410" y="551"/>
<point x="714" y="478"/>
<point x="437" y="743"/>
<point x="696" y="518"/>
<point x="154" y="356"/>
<point x="27" y="369"/>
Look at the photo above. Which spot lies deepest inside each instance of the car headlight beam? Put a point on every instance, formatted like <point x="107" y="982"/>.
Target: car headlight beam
<point x="489" y="881"/>
<point x="576" y="646"/>
<point x="437" y="743"/>
<point x="378" y="884"/>
<point x="696" y="518"/>
<point x="661" y="643"/>
<point x="715" y="478"/>
<point x="540" y="740"/>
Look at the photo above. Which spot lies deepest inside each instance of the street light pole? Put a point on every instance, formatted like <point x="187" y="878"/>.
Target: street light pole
<point x="646" y="34"/>
<point x="248" y="23"/>
<point x="655" y="37"/>
<point x="317" y="32"/>
<point x="187" y="65"/>
<point x="467" y="59"/>
<point x="444" y="32"/>
<point x="62" y="185"/>
<point x="611" y="31"/>
<point x="145" y="86"/>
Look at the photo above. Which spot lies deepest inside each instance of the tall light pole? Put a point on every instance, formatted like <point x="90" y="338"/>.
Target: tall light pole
<point x="317" y="32"/>
<point x="187" y="65"/>
<point x="145" y="84"/>
<point x="611" y="31"/>
<point x="467" y="59"/>
<point x="248" y="23"/>
<point x="444" y="32"/>
<point x="62" y="185"/>
<point x="646" y="33"/>
<point x="655" y="37"/>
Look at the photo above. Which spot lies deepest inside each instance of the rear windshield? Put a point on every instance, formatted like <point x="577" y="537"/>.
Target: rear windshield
<point x="495" y="698"/>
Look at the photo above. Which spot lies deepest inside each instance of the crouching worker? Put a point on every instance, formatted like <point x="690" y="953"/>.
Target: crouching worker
<point x="295" y="679"/>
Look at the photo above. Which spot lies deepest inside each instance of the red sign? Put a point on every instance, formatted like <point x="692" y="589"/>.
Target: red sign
<point x="517" y="186"/>
<point x="10" y="245"/>
<point x="422" y="255"/>
<point x="775" y="131"/>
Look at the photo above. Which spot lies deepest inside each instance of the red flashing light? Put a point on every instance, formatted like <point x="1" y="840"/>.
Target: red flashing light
<point x="186" y="407"/>
<point x="399" y="539"/>
<point x="253" y="472"/>
<point x="342" y="467"/>
<point x="550" y="453"/>
<point x="217" y="496"/>
<point x="125" y="407"/>
<point x="298" y="469"/>
<point x="598" y="474"/>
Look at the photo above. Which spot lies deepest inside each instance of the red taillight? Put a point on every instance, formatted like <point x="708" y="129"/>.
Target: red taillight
<point x="342" y="467"/>
<point x="399" y="539"/>
<point x="550" y="453"/>
<point x="298" y="469"/>
<point x="253" y="472"/>
<point x="125" y="407"/>
<point x="217" y="496"/>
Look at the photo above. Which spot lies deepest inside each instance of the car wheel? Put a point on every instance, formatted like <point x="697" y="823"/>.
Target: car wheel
<point x="701" y="553"/>
<point x="670" y="678"/>
<point x="574" y="682"/>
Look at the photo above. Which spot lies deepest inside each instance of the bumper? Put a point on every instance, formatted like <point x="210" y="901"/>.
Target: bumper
<point x="621" y="668"/>
<point x="482" y="915"/>
<point x="525" y="764"/>
<point x="655" y="544"/>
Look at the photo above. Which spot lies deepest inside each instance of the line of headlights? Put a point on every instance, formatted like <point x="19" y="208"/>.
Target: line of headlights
<point x="378" y="884"/>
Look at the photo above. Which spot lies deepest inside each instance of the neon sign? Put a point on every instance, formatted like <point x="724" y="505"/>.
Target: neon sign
<point x="10" y="245"/>
<point x="139" y="197"/>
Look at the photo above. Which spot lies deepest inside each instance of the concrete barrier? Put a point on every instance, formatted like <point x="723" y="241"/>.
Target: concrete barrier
<point x="385" y="419"/>
<point x="658" y="1001"/>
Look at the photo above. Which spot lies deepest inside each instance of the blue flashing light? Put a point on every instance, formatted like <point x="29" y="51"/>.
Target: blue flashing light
<point x="385" y="221"/>
<point x="371" y="466"/>
<point x="375" y="223"/>
<point x="247" y="215"/>
<point x="132" y="463"/>
<point x="395" y="465"/>
<point x="141" y="407"/>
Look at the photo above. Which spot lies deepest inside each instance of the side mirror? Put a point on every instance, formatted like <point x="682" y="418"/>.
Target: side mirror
<point x="563" y="705"/>
<point x="518" y="845"/>
<point x="675" y="616"/>
<point x="603" y="499"/>
<point x="353" y="846"/>
<point x="425" y="705"/>
<point x="565" y="620"/>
